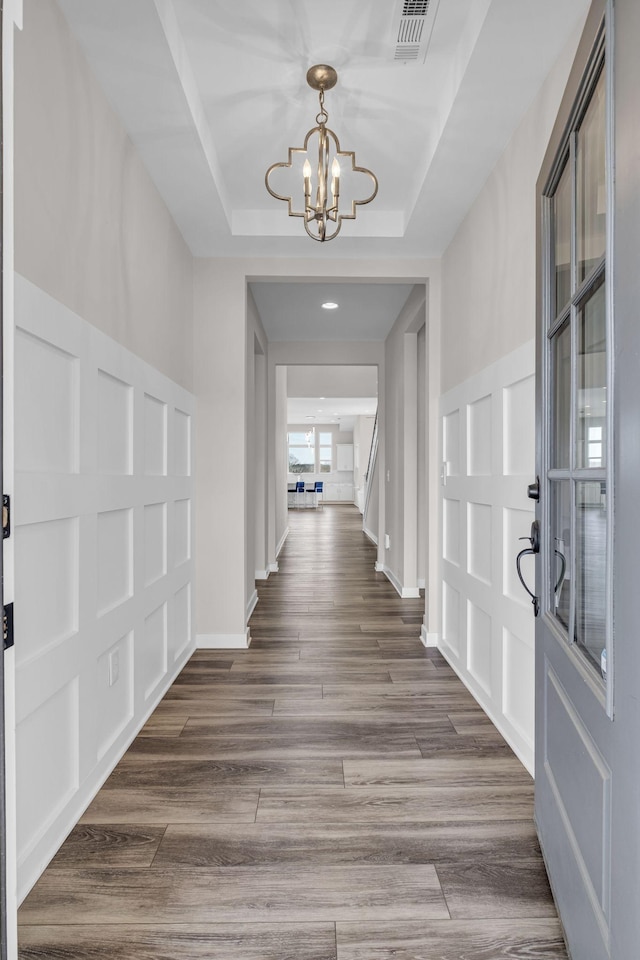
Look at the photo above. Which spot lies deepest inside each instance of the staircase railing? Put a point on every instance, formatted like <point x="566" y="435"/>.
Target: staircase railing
<point x="373" y="453"/>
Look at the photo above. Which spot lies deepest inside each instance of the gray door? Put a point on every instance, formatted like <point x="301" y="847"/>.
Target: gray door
<point x="3" y="868"/>
<point x="588" y="438"/>
<point x="3" y="874"/>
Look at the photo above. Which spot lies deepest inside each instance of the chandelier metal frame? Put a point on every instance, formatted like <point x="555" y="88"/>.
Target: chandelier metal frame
<point x="323" y="211"/>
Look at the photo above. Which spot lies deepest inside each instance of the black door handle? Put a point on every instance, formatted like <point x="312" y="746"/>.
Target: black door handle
<point x="533" y="548"/>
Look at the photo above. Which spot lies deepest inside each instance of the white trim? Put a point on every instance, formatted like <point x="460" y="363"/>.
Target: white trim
<point x="406" y="593"/>
<point x="223" y="641"/>
<point x="262" y="574"/>
<point x="273" y="568"/>
<point x="281" y="544"/>
<point x="251" y="605"/>
<point x="422" y="584"/>
<point x="379" y="567"/>
<point x="371" y="535"/>
<point x="428" y="639"/>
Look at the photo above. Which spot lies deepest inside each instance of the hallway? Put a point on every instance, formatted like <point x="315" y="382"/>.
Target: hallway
<point x="332" y="793"/>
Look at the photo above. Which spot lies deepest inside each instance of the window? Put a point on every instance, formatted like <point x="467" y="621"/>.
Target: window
<point x="578" y="471"/>
<point x="326" y="441"/>
<point x="310" y="451"/>
<point x="302" y="452"/>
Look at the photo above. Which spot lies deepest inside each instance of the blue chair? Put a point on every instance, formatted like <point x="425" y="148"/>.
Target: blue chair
<point x="319" y="488"/>
<point x="300" y="493"/>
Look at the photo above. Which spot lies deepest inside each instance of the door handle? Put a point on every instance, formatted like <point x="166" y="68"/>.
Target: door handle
<point x="533" y="548"/>
<point x="533" y="490"/>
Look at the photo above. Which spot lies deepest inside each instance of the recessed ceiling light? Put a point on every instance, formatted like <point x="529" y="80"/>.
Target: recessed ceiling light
<point x="329" y="305"/>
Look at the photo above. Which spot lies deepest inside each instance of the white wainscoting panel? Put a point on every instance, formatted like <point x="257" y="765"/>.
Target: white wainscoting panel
<point x="103" y="573"/>
<point x="488" y="435"/>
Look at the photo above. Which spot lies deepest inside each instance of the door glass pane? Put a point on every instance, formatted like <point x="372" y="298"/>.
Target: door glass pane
<point x="592" y="380"/>
<point x="562" y="240"/>
<point x="560" y="550"/>
<point x="591" y="193"/>
<point x="591" y="567"/>
<point x="561" y="386"/>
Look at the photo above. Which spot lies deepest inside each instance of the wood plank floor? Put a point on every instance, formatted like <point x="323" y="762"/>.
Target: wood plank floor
<point x="333" y="793"/>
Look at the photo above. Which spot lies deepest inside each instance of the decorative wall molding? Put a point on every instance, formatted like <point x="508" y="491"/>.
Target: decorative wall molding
<point x="103" y="522"/>
<point x="488" y="437"/>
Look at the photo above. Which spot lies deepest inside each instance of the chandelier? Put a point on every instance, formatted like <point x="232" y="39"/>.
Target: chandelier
<point x="321" y="209"/>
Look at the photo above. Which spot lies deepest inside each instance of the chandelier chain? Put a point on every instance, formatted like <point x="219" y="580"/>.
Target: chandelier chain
<point x="322" y="116"/>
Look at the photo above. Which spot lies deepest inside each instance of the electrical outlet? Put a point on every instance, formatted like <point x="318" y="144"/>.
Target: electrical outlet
<point x="114" y="667"/>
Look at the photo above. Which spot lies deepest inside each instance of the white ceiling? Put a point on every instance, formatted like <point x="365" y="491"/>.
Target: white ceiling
<point x="342" y="410"/>
<point x="213" y="91"/>
<point x="293" y="311"/>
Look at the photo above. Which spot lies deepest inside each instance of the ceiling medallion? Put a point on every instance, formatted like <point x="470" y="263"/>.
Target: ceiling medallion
<point x="322" y="191"/>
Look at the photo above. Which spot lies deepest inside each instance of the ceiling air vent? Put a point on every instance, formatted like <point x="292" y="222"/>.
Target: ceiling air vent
<point x="414" y="30"/>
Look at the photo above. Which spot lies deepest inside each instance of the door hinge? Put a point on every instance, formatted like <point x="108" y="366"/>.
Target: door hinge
<point x="7" y="625"/>
<point x="6" y="516"/>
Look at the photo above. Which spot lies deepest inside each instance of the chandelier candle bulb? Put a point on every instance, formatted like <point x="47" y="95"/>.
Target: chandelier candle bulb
<point x="335" y="182"/>
<point x="306" y="171"/>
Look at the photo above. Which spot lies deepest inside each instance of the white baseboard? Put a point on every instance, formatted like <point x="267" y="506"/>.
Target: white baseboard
<point x="262" y="574"/>
<point x="372" y="536"/>
<point x="223" y="641"/>
<point x="407" y="593"/>
<point x="273" y="567"/>
<point x="422" y="584"/>
<point x="282" y="540"/>
<point x="428" y="639"/>
<point x="251" y="605"/>
<point x="379" y="567"/>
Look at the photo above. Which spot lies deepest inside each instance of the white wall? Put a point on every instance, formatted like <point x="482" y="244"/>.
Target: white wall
<point x="91" y="228"/>
<point x="278" y="464"/>
<point x="256" y="465"/>
<point x="488" y="270"/>
<point x="422" y="522"/>
<point x="221" y="387"/>
<point x="488" y="441"/>
<point x="332" y="381"/>
<point x="400" y="425"/>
